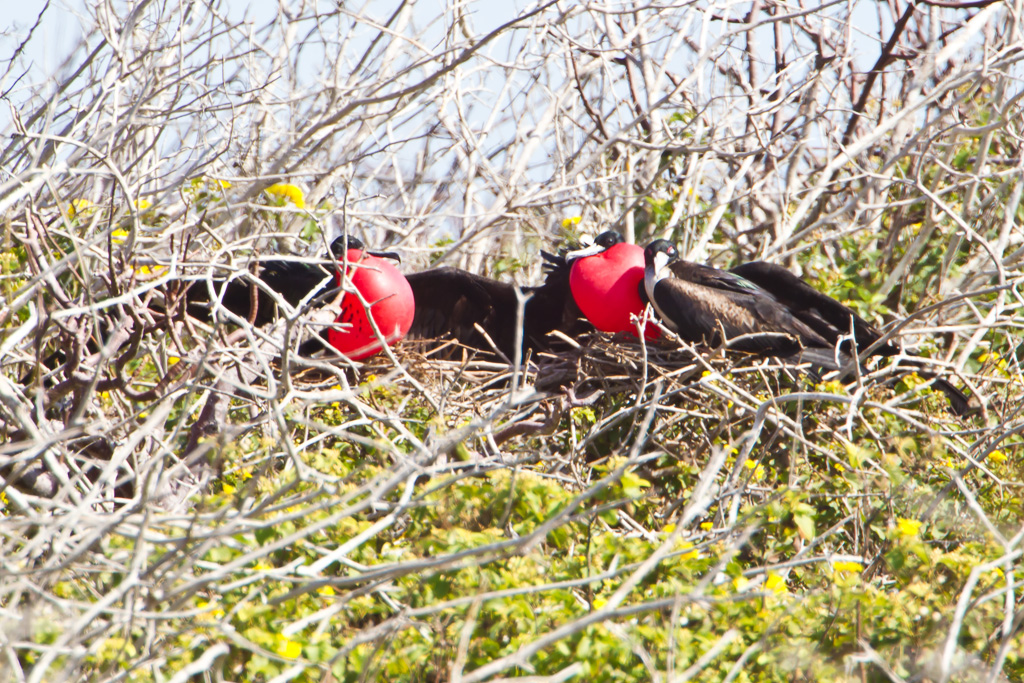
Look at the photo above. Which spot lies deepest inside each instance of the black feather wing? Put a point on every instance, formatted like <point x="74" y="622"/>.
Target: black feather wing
<point x="450" y="302"/>
<point x="702" y="314"/>
<point x="832" y="320"/>
<point x="714" y="278"/>
<point x="552" y="307"/>
<point x="292" y="280"/>
<point x="828" y="317"/>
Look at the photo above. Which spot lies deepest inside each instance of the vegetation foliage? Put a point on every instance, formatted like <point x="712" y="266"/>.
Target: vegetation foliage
<point x="182" y="501"/>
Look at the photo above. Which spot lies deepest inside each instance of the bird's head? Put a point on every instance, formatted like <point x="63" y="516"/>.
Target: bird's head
<point x="343" y="244"/>
<point x="659" y="254"/>
<point x="606" y="240"/>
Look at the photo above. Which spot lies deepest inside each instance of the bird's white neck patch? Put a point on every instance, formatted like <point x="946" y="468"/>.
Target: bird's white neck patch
<point x="654" y="273"/>
<point x="657" y="271"/>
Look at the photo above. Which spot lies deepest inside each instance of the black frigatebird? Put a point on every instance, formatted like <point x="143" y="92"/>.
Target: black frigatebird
<point x="380" y="284"/>
<point x="701" y="304"/>
<point x="772" y="313"/>
<point x="755" y="282"/>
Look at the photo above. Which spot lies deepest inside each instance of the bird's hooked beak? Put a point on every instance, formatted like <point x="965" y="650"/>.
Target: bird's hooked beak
<point x="656" y="264"/>
<point x="592" y="250"/>
<point x="393" y="255"/>
<point x="661" y="260"/>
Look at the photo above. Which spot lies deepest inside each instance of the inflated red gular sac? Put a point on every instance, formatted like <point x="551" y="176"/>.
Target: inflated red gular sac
<point x="388" y="296"/>
<point x="605" y="280"/>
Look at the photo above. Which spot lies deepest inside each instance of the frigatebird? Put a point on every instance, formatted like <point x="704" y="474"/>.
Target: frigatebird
<point x="448" y="303"/>
<point x="292" y="280"/>
<point x="707" y="305"/>
<point x="456" y="304"/>
<point x="773" y="313"/>
<point x="384" y="289"/>
<point x="602" y="292"/>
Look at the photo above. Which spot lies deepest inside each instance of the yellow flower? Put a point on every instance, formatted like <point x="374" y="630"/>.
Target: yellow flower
<point x="913" y="380"/>
<point x="840" y="567"/>
<point x="150" y="270"/>
<point x="758" y="469"/>
<point x="776" y="584"/>
<point x="143" y="204"/>
<point x="229" y="489"/>
<point x="740" y="582"/>
<point x="83" y="207"/>
<point x="908" y="528"/>
<point x="840" y="468"/>
<point x="211" y="611"/>
<point x="997" y="456"/>
<point x="119" y="236"/>
<point x="707" y="526"/>
<point x="572" y="221"/>
<point x="172" y="360"/>
<point x="325" y="590"/>
<point x="198" y="183"/>
<point x="691" y="555"/>
<point x="286" y="191"/>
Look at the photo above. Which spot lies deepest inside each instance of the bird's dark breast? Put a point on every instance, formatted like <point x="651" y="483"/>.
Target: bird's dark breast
<point x="552" y="307"/>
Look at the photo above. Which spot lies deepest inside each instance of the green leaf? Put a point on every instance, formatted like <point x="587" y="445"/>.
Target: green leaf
<point x="803" y="517"/>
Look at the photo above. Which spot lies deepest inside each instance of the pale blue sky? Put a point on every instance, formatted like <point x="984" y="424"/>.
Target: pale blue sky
<point x="59" y="31"/>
